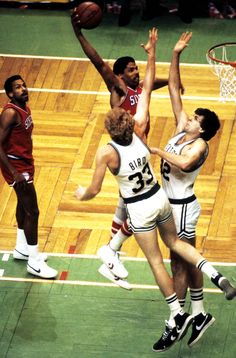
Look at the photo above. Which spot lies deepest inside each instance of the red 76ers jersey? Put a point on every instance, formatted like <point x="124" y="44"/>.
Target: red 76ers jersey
<point x="130" y="102"/>
<point x="18" y="143"/>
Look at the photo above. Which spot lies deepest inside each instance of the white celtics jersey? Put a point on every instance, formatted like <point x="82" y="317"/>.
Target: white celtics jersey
<point x="178" y="184"/>
<point x="135" y="175"/>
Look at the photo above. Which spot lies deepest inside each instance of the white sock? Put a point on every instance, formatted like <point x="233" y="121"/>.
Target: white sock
<point x="171" y="321"/>
<point x="175" y="308"/>
<point x="33" y="251"/>
<point x="21" y="242"/>
<point x="196" y="295"/>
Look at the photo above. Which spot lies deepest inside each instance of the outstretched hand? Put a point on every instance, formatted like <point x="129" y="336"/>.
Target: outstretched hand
<point x="183" y="41"/>
<point x="75" y="21"/>
<point x="153" y="37"/>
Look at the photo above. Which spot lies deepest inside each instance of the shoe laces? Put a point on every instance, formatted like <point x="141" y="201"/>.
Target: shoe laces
<point x="167" y="331"/>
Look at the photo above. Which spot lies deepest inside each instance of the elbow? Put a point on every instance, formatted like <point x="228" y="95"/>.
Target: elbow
<point x="185" y="166"/>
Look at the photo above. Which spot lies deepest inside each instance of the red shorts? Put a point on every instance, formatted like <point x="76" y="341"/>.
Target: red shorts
<point x="27" y="169"/>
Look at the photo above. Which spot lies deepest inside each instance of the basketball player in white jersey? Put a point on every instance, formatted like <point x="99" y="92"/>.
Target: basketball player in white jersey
<point x="128" y="159"/>
<point x="181" y="162"/>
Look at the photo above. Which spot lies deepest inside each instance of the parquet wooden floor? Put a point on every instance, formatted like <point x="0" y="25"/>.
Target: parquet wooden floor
<point x="68" y="100"/>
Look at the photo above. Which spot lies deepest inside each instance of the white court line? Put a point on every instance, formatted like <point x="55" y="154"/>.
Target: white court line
<point x="87" y="60"/>
<point x="90" y="283"/>
<point x="125" y="258"/>
<point x="154" y="95"/>
<point x="5" y="257"/>
<point x="100" y="284"/>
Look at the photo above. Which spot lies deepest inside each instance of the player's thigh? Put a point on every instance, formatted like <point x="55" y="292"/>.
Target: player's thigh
<point x="148" y="243"/>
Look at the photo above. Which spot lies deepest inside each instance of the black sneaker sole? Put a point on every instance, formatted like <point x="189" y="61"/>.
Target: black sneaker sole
<point x="229" y="290"/>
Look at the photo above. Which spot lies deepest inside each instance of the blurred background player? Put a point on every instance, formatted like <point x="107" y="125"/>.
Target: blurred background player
<point x="17" y="166"/>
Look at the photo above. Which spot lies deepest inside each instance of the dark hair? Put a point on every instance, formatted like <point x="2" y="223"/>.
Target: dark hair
<point x="210" y="123"/>
<point x="9" y="81"/>
<point x="121" y="63"/>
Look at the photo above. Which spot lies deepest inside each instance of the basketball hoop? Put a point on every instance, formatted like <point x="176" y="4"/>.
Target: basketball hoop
<point x="222" y="59"/>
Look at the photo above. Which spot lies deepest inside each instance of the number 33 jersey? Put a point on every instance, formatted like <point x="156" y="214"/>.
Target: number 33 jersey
<point x="135" y="175"/>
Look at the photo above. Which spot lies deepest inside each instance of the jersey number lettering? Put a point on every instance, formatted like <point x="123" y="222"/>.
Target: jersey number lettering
<point x="134" y="99"/>
<point x="140" y="182"/>
<point x="165" y="170"/>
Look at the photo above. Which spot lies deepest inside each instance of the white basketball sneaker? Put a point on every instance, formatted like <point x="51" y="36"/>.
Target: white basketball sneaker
<point x="104" y="271"/>
<point x="111" y="259"/>
<point x="20" y="255"/>
<point x="38" y="267"/>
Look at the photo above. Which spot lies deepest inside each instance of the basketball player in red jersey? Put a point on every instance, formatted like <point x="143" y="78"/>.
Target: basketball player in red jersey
<point x="125" y="87"/>
<point x="17" y="166"/>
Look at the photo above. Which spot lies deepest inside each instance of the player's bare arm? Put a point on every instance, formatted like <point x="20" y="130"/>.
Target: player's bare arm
<point x="106" y="158"/>
<point x="188" y="159"/>
<point x="175" y="82"/>
<point x="144" y="101"/>
<point x="112" y="81"/>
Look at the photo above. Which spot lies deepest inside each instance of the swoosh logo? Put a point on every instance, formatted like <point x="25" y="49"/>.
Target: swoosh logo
<point x="38" y="271"/>
<point x="110" y="265"/>
<point x="200" y="327"/>
<point x="173" y="338"/>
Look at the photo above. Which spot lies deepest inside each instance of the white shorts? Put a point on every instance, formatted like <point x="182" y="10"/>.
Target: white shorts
<point x="186" y="218"/>
<point x="146" y="214"/>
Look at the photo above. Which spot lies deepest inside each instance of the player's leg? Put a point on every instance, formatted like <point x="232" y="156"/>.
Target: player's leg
<point x="27" y="198"/>
<point x="190" y="254"/>
<point x="149" y="245"/>
<point x="109" y="253"/>
<point x="21" y="249"/>
<point x="185" y="275"/>
<point x="119" y="217"/>
<point x="202" y="320"/>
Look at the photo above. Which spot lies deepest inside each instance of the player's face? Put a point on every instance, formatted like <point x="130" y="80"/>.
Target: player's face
<point x="193" y="124"/>
<point x="131" y="75"/>
<point x="19" y="91"/>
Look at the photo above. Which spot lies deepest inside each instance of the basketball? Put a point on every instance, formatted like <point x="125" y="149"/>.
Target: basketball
<point x="89" y="15"/>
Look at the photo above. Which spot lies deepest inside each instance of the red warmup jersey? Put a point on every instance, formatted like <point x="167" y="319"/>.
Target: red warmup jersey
<point x="130" y="102"/>
<point x="18" y="145"/>
<point x="19" y="141"/>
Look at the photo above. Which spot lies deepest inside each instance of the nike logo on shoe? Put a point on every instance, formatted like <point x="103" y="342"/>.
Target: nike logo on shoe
<point x="38" y="271"/>
<point x="110" y="265"/>
<point x="173" y="338"/>
<point x="198" y="328"/>
<point x="178" y="330"/>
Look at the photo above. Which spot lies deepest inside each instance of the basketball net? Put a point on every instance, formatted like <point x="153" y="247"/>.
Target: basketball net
<point x="224" y="70"/>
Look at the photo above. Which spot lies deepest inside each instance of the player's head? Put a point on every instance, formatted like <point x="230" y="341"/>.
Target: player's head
<point x="15" y="88"/>
<point x="126" y="68"/>
<point x="120" y="125"/>
<point x="209" y="123"/>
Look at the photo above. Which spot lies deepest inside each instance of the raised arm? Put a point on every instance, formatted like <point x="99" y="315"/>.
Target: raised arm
<point x="175" y="81"/>
<point x="144" y="100"/>
<point x="102" y="67"/>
